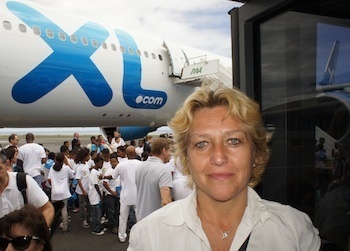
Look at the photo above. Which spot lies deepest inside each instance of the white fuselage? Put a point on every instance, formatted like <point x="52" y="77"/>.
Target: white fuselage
<point x="58" y="71"/>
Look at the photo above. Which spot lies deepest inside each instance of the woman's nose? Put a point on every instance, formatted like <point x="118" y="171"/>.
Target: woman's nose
<point x="218" y="155"/>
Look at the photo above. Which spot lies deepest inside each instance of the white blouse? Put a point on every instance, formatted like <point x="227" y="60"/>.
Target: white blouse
<point x="273" y="227"/>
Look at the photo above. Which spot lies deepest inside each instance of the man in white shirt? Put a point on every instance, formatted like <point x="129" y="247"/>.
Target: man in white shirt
<point x="32" y="155"/>
<point x="12" y="199"/>
<point x="126" y="170"/>
<point x="117" y="140"/>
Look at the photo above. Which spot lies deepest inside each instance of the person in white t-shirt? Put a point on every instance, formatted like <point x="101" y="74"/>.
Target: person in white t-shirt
<point x="90" y="162"/>
<point x="139" y="148"/>
<point x="112" y="199"/>
<point x="180" y="182"/>
<point x="71" y="161"/>
<point x="32" y="155"/>
<point x="59" y="177"/>
<point x="82" y="176"/>
<point x="95" y="196"/>
<point x="105" y="167"/>
<point x="128" y="197"/>
<point x="117" y="140"/>
<point x="106" y="161"/>
<point x="11" y="198"/>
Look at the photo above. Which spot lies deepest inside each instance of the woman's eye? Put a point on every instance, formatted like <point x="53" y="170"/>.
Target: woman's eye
<point x="201" y="144"/>
<point x="234" y="141"/>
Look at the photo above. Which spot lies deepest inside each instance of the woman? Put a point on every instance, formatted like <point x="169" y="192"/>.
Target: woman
<point x="11" y="154"/>
<point x="59" y="177"/>
<point x="221" y="143"/>
<point x="24" y="229"/>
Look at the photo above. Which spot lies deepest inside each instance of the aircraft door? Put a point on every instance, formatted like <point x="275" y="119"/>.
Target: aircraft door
<point x="178" y="58"/>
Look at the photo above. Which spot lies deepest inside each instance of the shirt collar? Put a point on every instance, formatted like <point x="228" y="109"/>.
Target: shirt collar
<point x="155" y="159"/>
<point x="255" y="211"/>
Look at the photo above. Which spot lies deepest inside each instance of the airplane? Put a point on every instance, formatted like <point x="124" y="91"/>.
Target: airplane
<point x="58" y="70"/>
<point x="325" y="110"/>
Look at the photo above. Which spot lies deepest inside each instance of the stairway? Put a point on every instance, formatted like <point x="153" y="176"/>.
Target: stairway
<point x="195" y="73"/>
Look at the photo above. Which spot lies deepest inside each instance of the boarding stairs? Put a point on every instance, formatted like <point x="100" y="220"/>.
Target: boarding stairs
<point x="193" y="71"/>
<point x="199" y="69"/>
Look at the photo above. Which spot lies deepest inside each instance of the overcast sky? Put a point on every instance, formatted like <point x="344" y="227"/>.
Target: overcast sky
<point x="197" y="23"/>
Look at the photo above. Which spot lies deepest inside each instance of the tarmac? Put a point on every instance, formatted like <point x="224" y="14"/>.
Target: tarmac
<point x="51" y="142"/>
<point x="78" y="238"/>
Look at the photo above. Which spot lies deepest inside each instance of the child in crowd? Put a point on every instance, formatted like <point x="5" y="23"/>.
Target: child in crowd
<point x="74" y="202"/>
<point x="47" y="166"/>
<point x="59" y="177"/>
<point x="90" y="162"/>
<point x="82" y="176"/>
<point x="112" y="198"/>
<point x="95" y="197"/>
<point x="106" y="165"/>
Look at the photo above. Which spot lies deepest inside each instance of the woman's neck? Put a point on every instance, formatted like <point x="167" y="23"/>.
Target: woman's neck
<point x="221" y="214"/>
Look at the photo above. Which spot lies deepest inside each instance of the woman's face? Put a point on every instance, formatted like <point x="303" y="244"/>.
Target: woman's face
<point x="20" y="230"/>
<point x="220" y="154"/>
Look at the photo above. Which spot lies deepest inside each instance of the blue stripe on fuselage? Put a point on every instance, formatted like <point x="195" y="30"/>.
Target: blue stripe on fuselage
<point x="73" y="58"/>
<point x="67" y="59"/>
<point x="134" y="95"/>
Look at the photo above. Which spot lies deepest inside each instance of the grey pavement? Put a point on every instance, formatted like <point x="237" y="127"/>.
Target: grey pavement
<point x="79" y="238"/>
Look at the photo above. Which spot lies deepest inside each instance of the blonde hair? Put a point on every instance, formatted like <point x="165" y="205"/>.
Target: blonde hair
<point x="212" y="94"/>
<point x="159" y="144"/>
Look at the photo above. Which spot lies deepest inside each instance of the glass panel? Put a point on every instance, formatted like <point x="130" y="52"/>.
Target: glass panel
<point x="305" y="100"/>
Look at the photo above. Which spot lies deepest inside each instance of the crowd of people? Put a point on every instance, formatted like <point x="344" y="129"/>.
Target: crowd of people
<point x="98" y="180"/>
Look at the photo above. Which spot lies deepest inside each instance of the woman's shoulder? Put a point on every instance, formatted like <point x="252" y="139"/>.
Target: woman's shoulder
<point x="284" y="212"/>
<point x="282" y="215"/>
<point x="273" y="210"/>
<point x="293" y="223"/>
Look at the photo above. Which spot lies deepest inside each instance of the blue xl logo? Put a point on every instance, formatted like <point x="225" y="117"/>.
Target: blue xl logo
<point x="133" y="93"/>
<point x="70" y="58"/>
